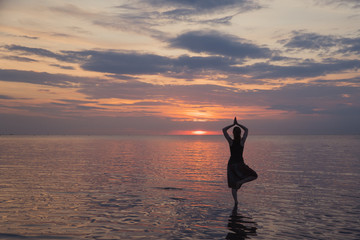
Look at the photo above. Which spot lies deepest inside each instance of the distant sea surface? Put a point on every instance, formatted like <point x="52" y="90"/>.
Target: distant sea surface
<point x="174" y="187"/>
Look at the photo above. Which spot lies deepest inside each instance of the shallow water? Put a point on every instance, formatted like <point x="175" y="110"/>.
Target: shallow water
<point x="121" y="187"/>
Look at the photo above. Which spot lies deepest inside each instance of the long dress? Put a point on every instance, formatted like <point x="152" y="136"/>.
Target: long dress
<point x="237" y="170"/>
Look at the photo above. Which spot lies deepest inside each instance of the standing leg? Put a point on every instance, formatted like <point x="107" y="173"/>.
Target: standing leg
<point x="234" y="194"/>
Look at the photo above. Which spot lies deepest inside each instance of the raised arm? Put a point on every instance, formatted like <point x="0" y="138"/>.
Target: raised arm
<point x="246" y="131"/>
<point x="226" y="134"/>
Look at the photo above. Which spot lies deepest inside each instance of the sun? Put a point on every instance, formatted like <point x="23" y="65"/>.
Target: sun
<point x="199" y="132"/>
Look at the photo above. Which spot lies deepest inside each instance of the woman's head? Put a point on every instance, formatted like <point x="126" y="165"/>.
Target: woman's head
<point x="237" y="133"/>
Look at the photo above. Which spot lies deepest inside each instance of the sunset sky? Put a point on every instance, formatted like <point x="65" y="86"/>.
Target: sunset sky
<point x="177" y="66"/>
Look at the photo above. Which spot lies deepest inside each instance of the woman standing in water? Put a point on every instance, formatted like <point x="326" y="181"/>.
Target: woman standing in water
<point x="238" y="172"/>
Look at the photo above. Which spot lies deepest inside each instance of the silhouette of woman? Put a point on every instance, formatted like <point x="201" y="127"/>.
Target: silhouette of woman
<point x="238" y="172"/>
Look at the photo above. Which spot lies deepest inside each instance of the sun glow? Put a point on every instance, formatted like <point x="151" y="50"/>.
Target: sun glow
<point x="199" y="132"/>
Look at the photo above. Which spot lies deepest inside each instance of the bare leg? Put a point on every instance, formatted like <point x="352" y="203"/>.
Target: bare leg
<point x="245" y="180"/>
<point x="234" y="194"/>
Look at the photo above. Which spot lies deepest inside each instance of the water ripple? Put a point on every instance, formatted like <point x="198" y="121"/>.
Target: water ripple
<point x="175" y="188"/>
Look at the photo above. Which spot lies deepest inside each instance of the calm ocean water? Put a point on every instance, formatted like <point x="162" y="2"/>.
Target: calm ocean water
<point x="174" y="187"/>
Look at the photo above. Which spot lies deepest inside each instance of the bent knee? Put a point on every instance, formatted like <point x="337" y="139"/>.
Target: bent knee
<point x="254" y="175"/>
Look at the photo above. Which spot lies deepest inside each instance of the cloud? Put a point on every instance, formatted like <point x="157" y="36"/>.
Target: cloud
<point x="124" y="90"/>
<point x="344" y="110"/>
<point x="213" y="42"/>
<point x="305" y="69"/>
<point x="65" y="56"/>
<point x="136" y="104"/>
<point x="148" y="103"/>
<point x="314" y="41"/>
<point x="20" y="59"/>
<point x="302" y="109"/>
<point x="339" y="81"/>
<point x="318" y="98"/>
<point x="84" y="107"/>
<point x="207" y="12"/>
<point x="340" y="3"/>
<point x="63" y="67"/>
<point x="204" y="6"/>
<point x="72" y="101"/>
<point x="310" y="98"/>
<point x="185" y="62"/>
<point x="14" y="124"/>
<point x="302" y="40"/>
<point x="138" y="63"/>
<point x="350" y="45"/>
<point x="17" y="36"/>
<point x="130" y="19"/>
<point x="6" y="97"/>
<point x="299" y="98"/>
<point x="136" y="90"/>
<point x="42" y="78"/>
<point x="123" y="64"/>
<point x="126" y="63"/>
<point x="145" y="16"/>
<point x="73" y="10"/>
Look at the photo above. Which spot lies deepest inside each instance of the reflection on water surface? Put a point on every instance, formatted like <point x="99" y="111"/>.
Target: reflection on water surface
<point x="240" y="227"/>
<point x="175" y="188"/>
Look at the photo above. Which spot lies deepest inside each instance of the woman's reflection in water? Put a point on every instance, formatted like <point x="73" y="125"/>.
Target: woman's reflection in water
<point x="241" y="227"/>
